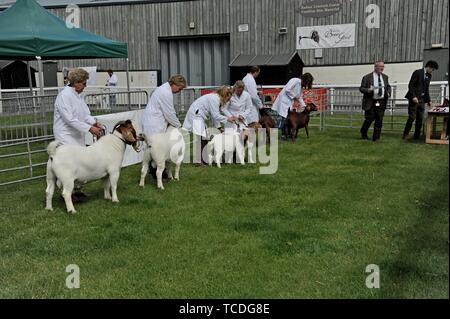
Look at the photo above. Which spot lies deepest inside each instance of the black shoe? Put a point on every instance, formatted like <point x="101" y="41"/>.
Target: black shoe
<point x="364" y="137"/>
<point x="405" y="136"/>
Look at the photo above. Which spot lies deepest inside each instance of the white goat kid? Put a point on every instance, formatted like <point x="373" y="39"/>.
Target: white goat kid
<point x="163" y="150"/>
<point x="227" y="142"/>
<point x="69" y="164"/>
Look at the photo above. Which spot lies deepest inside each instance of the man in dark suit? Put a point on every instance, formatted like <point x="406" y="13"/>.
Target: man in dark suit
<point x="376" y="90"/>
<point x="418" y="95"/>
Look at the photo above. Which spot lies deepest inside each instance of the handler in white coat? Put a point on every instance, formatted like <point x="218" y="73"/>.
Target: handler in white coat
<point x="250" y="87"/>
<point x="199" y="112"/>
<point x="241" y="107"/>
<point x="160" y="111"/>
<point x="111" y="82"/>
<point x="72" y="118"/>
<point x="285" y="100"/>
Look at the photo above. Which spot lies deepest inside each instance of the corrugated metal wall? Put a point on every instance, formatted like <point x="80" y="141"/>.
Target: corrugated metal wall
<point x="204" y="61"/>
<point x="407" y="28"/>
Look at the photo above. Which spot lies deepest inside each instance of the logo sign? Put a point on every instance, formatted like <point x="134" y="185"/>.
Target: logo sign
<point x="320" y="8"/>
<point x="326" y="36"/>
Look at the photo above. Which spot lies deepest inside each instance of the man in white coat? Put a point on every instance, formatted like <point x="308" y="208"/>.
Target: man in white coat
<point x="111" y="82"/>
<point x="72" y="118"/>
<point x="241" y="107"/>
<point x="285" y="100"/>
<point x="199" y="112"/>
<point x="160" y="111"/>
<point x="250" y="87"/>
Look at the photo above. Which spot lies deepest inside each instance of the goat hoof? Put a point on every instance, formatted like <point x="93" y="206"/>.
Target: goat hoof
<point x="49" y="208"/>
<point x="72" y="212"/>
<point x="115" y="201"/>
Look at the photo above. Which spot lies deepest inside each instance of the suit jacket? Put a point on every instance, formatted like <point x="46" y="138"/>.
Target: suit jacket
<point x="419" y="87"/>
<point x="366" y="83"/>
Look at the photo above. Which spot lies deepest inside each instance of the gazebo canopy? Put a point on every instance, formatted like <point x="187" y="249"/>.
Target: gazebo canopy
<point x="28" y="30"/>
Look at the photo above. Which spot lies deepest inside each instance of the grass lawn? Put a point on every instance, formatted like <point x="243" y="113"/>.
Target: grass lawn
<point x="336" y="205"/>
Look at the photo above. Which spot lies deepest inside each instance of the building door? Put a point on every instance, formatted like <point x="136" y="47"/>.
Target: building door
<point x="202" y="60"/>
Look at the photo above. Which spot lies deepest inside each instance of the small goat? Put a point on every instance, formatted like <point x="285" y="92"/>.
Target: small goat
<point x="228" y="142"/>
<point x="69" y="164"/>
<point x="296" y="121"/>
<point x="163" y="148"/>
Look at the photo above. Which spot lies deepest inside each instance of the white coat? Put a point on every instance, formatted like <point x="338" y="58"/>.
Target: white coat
<point x="159" y="112"/>
<point x="240" y="105"/>
<point x="72" y="118"/>
<point x="200" y="111"/>
<point x="250" y="87"/>
<point x="112" y="82"/>
<point x="285" y="100"/>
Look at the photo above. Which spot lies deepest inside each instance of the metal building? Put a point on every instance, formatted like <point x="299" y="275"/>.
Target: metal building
<point x="200" y="38"/>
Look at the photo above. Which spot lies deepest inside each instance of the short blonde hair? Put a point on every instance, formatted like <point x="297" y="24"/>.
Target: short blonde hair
<point x="178" y="80"/>
<point x="225" y="93"/>
<point x="78" y="75"/>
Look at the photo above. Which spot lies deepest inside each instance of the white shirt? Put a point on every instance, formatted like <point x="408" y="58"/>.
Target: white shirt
<point x="199" y="111"/>
<point x="160" y="111"/>
<point x="112" y="81"/>
<point x="376" y="96"/>
<point x="72" y="118"/>
<point x="250" y="87"/>
<point x="285" y="100"/>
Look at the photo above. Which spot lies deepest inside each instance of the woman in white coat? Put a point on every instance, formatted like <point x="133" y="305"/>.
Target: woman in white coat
<point x="240" y="106"/>
<point x="285" y="100"/>
<point x="202" y="109"/>
<point x="160" y="111"/>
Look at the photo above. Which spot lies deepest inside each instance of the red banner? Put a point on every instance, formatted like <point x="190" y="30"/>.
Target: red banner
<point x="317" y="96"/>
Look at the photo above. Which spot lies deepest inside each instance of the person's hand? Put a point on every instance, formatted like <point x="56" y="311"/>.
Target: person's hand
<point x="370" y="89"/>
<point x="96" y="131"/>
<point x="221" y="129"/>
<point x="241" y="118"/>
<point x="415" y="100"/>
<point x="429" y="104"/>
<point x="231" y="119"/>
<point x="99" y="125"/>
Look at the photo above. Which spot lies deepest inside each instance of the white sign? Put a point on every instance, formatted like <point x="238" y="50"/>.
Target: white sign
<point x="326" y="36"/>
<point x="92" y="70"/>
<point x="243" y="27"/>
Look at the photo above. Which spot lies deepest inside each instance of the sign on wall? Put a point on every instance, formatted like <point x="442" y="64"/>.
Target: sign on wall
<point x="320" y="8"/>
<point x="326" y="36"/>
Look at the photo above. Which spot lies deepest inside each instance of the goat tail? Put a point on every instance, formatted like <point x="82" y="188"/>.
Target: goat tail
<point x="51" y="148"/>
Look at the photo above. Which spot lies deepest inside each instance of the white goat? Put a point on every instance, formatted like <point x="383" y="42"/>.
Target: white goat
<point x="68" y="164"/>
<point x="163" y="148"/>
<point x="228" y="142"/>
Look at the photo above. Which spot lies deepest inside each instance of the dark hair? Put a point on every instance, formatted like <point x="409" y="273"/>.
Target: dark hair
<point x="307" y="80"/>
<point x="432" y="64"/>
<point x="254" y="69"/>
<point x="109" y="71"/>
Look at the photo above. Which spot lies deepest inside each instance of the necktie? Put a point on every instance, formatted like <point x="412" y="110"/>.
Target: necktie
<point x="380" y="89"/>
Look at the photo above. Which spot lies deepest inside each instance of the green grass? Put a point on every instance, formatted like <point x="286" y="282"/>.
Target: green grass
<point x="336" y="205"/>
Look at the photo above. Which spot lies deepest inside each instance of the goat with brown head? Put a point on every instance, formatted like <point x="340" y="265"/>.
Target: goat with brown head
<point x="128" y="132"/>
<point x="296" y="121"/>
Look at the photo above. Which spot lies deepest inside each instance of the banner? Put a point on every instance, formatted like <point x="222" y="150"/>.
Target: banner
<point x="326" y="36"/>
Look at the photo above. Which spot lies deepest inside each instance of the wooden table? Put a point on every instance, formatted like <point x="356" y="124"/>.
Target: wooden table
<point x="433" y="117"/>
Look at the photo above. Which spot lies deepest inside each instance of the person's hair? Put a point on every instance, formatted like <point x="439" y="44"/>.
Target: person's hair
<point x="77" y="75"/>
<point x="178" y="80"/>
<point x="254" y="69"/>
<point x="378" y="62"/>
<point x="432" y="64"/>
<point x="239" y="85"/>
<point x="224" y="92"/>
<point x="109" y="71"/>
<point x="307" y="80"/>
